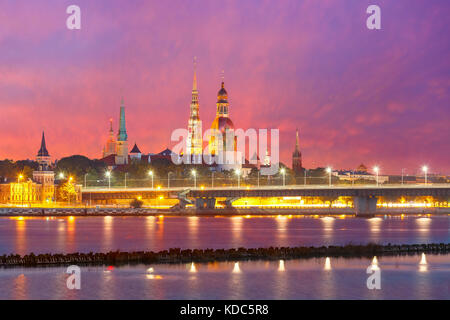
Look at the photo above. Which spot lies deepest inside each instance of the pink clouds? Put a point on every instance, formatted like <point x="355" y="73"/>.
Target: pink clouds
<point x="357" y="96"/>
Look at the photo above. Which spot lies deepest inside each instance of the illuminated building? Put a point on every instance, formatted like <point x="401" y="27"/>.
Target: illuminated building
<point x="297" y="157"/>
<point x="110" y="147"/>
<point x="194" y="139"/>
<point x="45" y="176"/>
<point x="222" y="142"/>
<point x="122" y="138"/>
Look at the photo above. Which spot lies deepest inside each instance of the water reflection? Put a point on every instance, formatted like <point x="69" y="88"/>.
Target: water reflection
<point x="281" y="266"/>
<point x="327" y="264"/>
<point x="424" y="226"/>
<point x="328" y="229"/>
<point x="193" y="269"/>
<point x="21" y="240"/>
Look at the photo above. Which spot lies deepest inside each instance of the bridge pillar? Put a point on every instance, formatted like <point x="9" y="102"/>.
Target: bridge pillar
<point x="229" y="202"/>
<point x="205" y="203"/>
<point x="365" y="205"/>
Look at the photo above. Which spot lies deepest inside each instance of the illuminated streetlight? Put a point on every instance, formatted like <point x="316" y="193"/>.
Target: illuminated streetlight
<point x="19" y="178"/>
<point x="150" y="173"/>
<point x="61" y="175"/>
<point x="425" y="170"/>
<point x="194" y="174"/>
<point x="329" y="173"/>
<point x="108" y="175"/>
<point x="238" y="173"/>
<point x="376" y="170"/>
<point x="283" y="172"/>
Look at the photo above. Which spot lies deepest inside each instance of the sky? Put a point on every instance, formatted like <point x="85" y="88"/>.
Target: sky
<point x="378" y="97"/>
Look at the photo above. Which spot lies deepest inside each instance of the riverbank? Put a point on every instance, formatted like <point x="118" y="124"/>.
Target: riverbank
<point x="177" y="255"/>
<point x="118" y="211"/>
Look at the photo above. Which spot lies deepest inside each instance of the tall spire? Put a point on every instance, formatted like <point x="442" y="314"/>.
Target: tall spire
<point x="43" y="150"/>
<point x="297" y="141"/>
<point x="122" y="136"/>
<point x="194" y="86"/>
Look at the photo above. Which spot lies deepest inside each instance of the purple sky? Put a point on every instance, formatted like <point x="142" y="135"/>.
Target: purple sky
<point x="357" y="95"/>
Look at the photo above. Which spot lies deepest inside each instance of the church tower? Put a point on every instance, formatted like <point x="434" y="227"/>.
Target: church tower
<point x="122" y="138"/>
<point x="110" y="147"/>
<point x="45" y="175"/>
<point x="194" y="139"/>
<point x="297" y="157"/>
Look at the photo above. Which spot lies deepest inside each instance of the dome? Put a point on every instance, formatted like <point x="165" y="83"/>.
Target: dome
<point x="222" y="124"/>
<point x="222" y="94"/>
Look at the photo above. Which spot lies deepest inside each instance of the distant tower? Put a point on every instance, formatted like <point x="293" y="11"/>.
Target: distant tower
<point x="110" y="147"/>
<point x="297" y="157"/>
<point x="222" y="124"/>
<point x="122" y="138"/>
<point x="45" y="175"/>
<point x="43" y="158"/>
<point x="194" y="140"/>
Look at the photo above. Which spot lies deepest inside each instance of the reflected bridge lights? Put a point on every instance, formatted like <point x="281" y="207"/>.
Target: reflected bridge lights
<point x="327" y="265"/>
<point x="193" y="268"/>
<point x="423" y="264"/>
<point x="236" y="268"/>
<point x="374" y="264"/>
<point x="281" y="267"/>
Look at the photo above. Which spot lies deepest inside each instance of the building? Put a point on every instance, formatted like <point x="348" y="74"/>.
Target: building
<point x="122" y="138"/>
<point x="194" y="140"/>
<point x="45" y="176"/>
<point x="297" y="157"/>
<point x="222" y="143"/>
<point x="110" y="146"/>
<point x="39" y="190"/>
<point x="115" y="151"/>
<point x="135" y="153"/>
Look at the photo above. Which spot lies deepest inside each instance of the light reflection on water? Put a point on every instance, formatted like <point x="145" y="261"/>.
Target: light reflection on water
<point x="101" y="234"/>
<point x="401" y="278"/>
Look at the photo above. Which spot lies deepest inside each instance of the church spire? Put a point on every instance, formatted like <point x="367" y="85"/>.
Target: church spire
<point x="43" y="150"/>
<point x="297" y="142"/>
<point x="122" y="136"/>
<point x="194" y="85"/>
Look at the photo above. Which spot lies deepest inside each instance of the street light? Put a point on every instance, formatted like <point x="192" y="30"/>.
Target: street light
<point x="329" y="172"/>
<point x="108" y="175"/>
<point x="168" y="179"/>
<point x="125" y="182"/>
<point x="403" y="174"/>
<point x="19" y="178"/>
<point x="194" y="174"/>
<point x="61" y="175"/>
<point x="238" y="173"/>
<point x="85" y="181"/>
<point x="212" y="179"/>
<point x="425" y="170"/>
<point x="283" y="172"/>
<point x="376" y="170"/>
<point x="150" y="173"/>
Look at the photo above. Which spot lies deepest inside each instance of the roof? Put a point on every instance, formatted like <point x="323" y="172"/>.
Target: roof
<point x="135" y="149"/>
<point x="43" y="150"/>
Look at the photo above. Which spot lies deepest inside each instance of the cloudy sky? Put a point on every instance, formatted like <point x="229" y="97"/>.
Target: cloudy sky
<point x="380" y="97"/>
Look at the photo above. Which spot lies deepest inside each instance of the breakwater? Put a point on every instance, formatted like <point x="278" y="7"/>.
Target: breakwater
<point x="177" y="255"/>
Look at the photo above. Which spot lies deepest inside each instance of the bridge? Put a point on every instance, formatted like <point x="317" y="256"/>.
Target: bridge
<point x="365" y="197"/>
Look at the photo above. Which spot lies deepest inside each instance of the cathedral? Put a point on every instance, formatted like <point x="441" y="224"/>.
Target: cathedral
<point x="194" y="140"/>
<point x="115" y="151"/>
<point x="297" y="157"/>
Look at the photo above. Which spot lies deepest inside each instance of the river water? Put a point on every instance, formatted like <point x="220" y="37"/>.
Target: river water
<point x="101" y="234"/>
<point x="402" y="277"/>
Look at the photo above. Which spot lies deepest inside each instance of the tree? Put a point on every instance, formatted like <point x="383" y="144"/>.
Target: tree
<point x="67" y="192"/>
